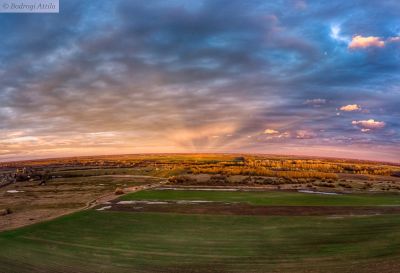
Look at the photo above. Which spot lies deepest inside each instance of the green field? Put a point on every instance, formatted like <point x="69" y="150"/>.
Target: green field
<point x="94" y="241"/>
<point x="273" y="198"/>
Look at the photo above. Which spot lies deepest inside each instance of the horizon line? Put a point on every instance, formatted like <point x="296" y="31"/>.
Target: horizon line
<point x="203" y="153"/>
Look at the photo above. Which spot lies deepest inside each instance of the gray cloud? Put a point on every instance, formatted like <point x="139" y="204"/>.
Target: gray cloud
<point x="204" y="76"/>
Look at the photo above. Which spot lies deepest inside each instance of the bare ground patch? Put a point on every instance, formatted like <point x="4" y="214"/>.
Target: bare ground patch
<point x="30" y="202"/>
<point x="219" y="208"/>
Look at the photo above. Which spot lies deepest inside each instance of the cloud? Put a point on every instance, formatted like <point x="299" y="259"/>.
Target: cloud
<point x="335" y="34"/>
<point x="367" y="125"/>
<point x="278" y="136"/>
<point x="305" y="134"/>
<point x="315" y="102"/>
<point x="394" y="39"/>
<point x="270" y="131"/>
<point x="193" y="74"/>
<point x="359" y="41"/>
<point x="350" y="107"/>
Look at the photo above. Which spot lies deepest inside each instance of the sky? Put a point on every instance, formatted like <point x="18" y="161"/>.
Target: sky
<point x="318" y="78"/>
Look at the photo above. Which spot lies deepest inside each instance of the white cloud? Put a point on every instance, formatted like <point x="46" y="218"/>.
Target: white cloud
<point x="335" y="34"/>
<point x="367" y="125"/>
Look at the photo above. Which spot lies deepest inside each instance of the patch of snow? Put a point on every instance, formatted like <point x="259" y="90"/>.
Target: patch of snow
<point x="14" y="191"/>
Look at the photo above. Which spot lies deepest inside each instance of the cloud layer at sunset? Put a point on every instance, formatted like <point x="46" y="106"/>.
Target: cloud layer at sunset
<point x="109" y="77"/>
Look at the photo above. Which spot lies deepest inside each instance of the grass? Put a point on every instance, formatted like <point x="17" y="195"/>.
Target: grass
<point x="92" y="241"/>
<point x="270" y="198"/>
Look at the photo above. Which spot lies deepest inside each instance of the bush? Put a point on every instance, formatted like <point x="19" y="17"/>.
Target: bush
<point x="4" y="212"/>
<point x="119" y="191"/>
<point x="182" y="180"/>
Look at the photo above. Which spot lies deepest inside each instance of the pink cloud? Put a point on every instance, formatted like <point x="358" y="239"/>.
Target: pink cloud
<point x="367" y="125"/>
<point x="271" y="132"/>
<point x="359" y="41"/>
<point x="350" y="107"/>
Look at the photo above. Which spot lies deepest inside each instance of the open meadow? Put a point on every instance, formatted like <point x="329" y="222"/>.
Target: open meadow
<point x="139" y="239"/>
<point x="199" y="213"/>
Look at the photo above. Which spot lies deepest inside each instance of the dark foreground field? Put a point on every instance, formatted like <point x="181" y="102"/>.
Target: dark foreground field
<point x="123" y="241"/>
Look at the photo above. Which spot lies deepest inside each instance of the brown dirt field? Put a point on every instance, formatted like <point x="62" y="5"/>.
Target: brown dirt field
<point x="33" y="203"/>
<point x="246" y="209"/>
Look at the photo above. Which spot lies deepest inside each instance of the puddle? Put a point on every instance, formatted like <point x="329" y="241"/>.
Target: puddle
<point x="14" y="191"/>
<point x="335" y="217"/>
<point x="193" y="201"/>
<point x="104" y="208"/>
<point x="163" y="202"/>
<point x="318" y="192"/>
<point x="142" y="202"/>
<point x="194" y="189"/>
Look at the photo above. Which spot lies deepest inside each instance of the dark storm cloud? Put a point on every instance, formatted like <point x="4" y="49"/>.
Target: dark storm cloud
<point x="206" y="75"/>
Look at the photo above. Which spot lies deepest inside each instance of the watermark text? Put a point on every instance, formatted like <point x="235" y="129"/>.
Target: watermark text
<point x="29" y="6"/>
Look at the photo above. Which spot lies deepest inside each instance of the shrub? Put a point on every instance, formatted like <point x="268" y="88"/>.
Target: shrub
<point x="119" y="191"/>
<point x="4" y="212"/>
